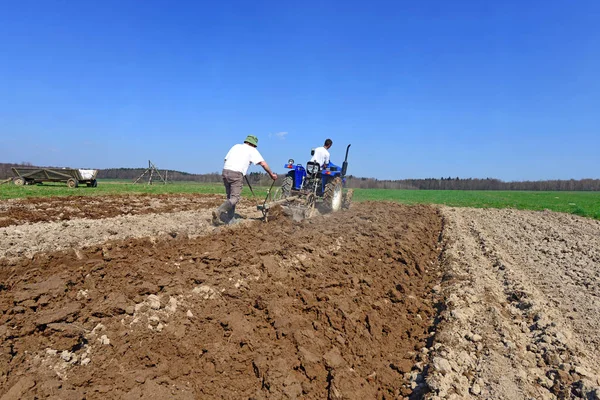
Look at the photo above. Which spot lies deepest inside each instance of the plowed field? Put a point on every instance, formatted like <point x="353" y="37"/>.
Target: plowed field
<point x="131" y="297"/>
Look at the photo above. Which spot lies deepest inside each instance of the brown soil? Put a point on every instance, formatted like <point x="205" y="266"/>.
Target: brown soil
<point x="336" y="306"/>
<point x="141" y="297"/>
<point x="45" y="209"/>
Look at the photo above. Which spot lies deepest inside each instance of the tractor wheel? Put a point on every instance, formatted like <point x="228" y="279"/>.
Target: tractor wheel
<point x="94" y="183"/>
<point x="72" y="183"/>
<point x="19" y="181"/>
<point x="284" y="190"/>
<point x="347" y="199"/>
<point x="332" y="196"/>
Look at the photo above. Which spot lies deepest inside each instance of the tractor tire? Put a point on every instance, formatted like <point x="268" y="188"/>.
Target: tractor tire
<point x="347" y="199"/>
<point x="332" y="196"/>
<point x="19" y="181"/>
<point x="285" y="189"/>
<point x="72" y="183"/>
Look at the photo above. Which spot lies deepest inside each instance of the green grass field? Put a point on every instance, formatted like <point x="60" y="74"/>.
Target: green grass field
<point x="105" y="187"/>
<point x="586" y="204"/>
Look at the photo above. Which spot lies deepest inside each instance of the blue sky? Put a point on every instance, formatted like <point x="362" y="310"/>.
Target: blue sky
<point x="508" y="90"/>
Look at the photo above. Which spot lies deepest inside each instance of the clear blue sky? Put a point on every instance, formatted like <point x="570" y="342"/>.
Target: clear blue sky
<point x="502" y="89"/>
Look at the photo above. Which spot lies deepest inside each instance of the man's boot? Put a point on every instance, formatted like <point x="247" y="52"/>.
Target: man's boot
<point x="231" y="216"/>
<point x="220" y="215"/>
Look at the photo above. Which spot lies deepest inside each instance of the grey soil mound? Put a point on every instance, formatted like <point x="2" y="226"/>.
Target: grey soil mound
<point x="522" y="314"/>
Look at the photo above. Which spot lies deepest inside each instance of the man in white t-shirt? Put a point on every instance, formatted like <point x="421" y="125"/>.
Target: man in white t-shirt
<point x="237" y="161"/>
<point x="321" y="154"/>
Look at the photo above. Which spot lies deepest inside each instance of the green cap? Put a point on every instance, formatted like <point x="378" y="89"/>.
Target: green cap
<point x="252" y="140"/>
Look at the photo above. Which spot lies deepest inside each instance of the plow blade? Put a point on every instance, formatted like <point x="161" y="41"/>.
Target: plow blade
<point x="266" y="206"/>
<point x="296" y="207"/>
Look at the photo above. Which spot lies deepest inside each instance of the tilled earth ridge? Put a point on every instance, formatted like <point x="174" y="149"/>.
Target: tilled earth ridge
<point x="331" y="307"/>
<point x="46" y="209"/>
<point x="522" y="307"/>
<point x="165" y="215"/>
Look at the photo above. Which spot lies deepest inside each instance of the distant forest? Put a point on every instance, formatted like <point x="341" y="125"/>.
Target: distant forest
<point x="443" y="183"/>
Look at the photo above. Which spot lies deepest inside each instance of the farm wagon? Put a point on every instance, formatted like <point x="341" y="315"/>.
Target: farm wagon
<point x="73" y="177"/>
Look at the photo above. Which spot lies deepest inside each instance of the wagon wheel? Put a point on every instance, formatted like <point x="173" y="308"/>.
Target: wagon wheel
<point x="72" y="183"/>
<point x="94" y="183"/>
<point x="19" y="181"/>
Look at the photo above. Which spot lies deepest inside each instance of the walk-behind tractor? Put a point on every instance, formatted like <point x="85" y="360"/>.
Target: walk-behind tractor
<point x="305" y="188"/>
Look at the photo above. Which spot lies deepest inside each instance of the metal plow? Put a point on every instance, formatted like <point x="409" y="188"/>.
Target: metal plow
<point x="297" y="206"/>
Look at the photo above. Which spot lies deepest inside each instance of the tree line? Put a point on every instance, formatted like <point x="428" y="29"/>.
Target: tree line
<point x="474" y="184"/>
<point x="262" y="179"/>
